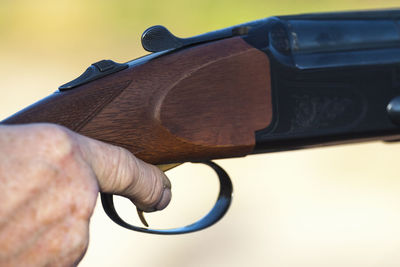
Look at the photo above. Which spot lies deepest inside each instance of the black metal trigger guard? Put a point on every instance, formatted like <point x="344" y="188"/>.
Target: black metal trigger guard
<point x="217" y="212"/>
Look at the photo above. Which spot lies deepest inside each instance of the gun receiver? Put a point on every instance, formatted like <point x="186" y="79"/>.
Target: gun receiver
<point x="274" y="84"/>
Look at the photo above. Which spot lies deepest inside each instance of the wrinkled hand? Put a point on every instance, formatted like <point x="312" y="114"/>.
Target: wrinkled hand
<point x="49" y="181"/>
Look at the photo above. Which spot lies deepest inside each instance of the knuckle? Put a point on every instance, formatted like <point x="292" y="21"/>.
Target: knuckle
<point x="55" y="141"/>
<point x="120" y="172"/>
<point x="124" y="170"/>
<point x="155" y="188"/>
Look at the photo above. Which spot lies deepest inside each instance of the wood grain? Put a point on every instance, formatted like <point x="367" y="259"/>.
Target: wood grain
<point x="198" y="103"/>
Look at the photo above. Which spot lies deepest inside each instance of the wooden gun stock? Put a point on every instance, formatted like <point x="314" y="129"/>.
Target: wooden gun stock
<point x="199" y="103"/>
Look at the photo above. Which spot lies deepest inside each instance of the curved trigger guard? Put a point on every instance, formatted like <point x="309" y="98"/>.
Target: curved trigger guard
<point x="217" y="212"/>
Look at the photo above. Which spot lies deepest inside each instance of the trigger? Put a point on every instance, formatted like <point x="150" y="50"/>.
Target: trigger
<point x="167" y="167"/>
<point x="141" y="217"/>
<point x="164" y="168"/>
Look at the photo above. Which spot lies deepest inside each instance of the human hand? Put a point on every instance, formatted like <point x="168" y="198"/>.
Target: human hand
<point x="49" y="181"/>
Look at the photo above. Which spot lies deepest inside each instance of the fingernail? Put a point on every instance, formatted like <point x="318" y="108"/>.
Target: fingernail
<point x="166" y="182"/>
<point x="165" y="199"/>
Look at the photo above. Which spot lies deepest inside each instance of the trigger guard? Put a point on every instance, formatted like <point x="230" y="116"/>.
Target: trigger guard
<point x="214" y="215"/>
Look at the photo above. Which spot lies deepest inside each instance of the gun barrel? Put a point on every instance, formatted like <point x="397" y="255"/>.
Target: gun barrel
<point x="337" y="39"/>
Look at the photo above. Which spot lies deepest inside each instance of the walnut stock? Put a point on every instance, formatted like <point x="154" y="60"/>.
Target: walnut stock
<point x="194" y="104"/>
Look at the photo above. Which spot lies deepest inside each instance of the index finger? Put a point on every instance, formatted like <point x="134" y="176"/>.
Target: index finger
<point x="119" y="172"/>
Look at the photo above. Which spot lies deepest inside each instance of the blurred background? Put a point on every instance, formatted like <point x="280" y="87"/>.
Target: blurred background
<point x="334" y="206"/>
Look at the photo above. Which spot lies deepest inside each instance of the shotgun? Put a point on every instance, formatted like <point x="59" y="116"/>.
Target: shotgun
<point x="280" y="83"/>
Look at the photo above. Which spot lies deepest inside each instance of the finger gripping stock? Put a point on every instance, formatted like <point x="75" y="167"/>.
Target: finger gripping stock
<point x="217" y="212"/>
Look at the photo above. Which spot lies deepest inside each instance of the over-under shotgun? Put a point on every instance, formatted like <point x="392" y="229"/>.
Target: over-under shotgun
<point x="274" y="84"/>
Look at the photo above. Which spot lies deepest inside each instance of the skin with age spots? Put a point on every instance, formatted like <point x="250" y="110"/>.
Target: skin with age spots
<point x="49" y="181"/>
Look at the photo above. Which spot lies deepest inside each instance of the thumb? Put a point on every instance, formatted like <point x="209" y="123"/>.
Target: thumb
<point x="119" y="172"/>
